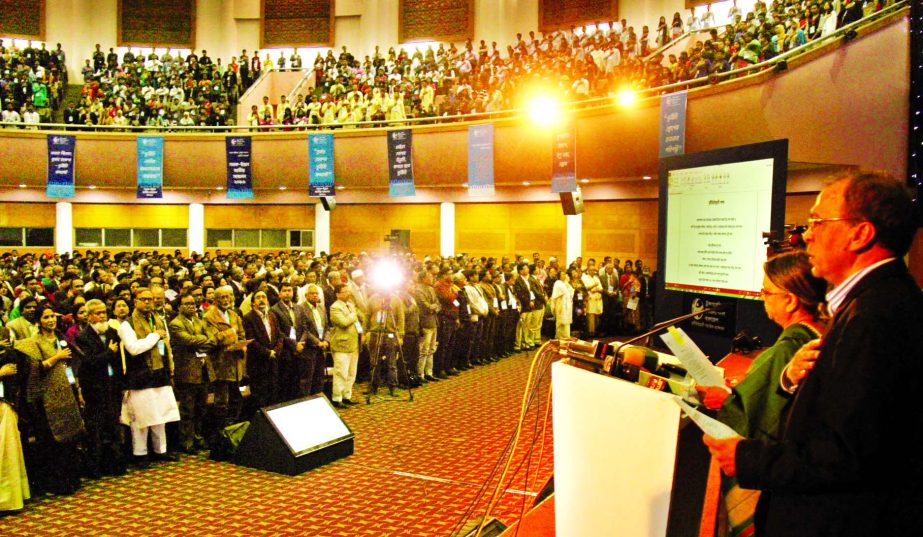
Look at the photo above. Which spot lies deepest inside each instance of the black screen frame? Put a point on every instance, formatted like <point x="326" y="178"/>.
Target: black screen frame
<point x="749" y="314"/>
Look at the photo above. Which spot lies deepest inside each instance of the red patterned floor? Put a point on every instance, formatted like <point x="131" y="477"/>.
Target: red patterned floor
<point x="416" y="471"/>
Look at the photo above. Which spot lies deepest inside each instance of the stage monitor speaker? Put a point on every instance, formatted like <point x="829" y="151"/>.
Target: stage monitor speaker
<point x="329" y="202"/>
<point x="294" y="437"/>
<point x="572" y="202"/>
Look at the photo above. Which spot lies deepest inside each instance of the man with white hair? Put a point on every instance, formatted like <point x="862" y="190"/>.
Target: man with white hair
<point x="230" y="359"/>
<point x="358" y="294"/>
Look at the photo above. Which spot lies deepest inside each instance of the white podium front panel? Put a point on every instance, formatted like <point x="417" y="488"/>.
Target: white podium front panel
<point x="614" y="455"/>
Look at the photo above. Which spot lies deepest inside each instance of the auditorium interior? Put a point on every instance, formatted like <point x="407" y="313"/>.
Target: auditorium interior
<point x="441" y="462"/>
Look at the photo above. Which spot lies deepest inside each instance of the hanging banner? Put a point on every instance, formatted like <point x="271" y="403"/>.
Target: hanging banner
<point x="150" y="166"/>
<point x="320" y="165"/>
<point x="60" y="178"/>
<point x="400" y="163"/>
<point x="481" y="160"/>
<point x="240" y="183"/>
<point x="673" y="124"/>
<point x="564" y="159"/>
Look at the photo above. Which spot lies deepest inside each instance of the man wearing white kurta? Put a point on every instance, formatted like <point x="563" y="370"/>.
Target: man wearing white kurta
<point x="149" y="402"/>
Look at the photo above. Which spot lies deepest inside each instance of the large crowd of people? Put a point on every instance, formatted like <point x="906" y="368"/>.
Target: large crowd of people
<point x="155" y="90"/>
<point x="580" y="63"/>
<point x="132" y="358"/>
<point x="32" y="83"/>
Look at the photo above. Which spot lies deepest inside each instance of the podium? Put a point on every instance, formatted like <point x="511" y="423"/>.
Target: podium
<point x="615" y="446"/>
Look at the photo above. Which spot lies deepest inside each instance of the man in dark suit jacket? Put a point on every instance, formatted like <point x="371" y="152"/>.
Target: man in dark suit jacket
<point x="848" y="461"/>
<point x="193" y="350"/>
<point x="291" y="327"/>
<point x="99" y="374"/>
<point x="316" y="346"/>
<point x="263" y="352"/>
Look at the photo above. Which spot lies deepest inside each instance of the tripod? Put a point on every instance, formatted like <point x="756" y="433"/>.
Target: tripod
<point x="386" y="341"/>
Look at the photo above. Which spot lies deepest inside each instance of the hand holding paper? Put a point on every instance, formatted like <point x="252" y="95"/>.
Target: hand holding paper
<point x="692" y="358"/>
<point x="709" y="425"/>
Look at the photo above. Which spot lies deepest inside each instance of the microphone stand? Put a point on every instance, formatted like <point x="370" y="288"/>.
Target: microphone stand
<point x="609" y="367"/>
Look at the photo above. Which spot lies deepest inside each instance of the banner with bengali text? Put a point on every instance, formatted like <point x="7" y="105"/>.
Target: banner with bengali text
<point x="673" y="124"/>
<point x="564" y="159"/>
<point x="481" y="160"/>
<point x="150" y="166"/>
<point x="240" y="183"/>
<point x="320" y="165"/>
<point x="60" y="179"/>
<point x="400" y="163"/>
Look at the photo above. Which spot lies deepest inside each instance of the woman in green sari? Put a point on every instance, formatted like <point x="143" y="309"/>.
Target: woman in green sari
<point x="754" y="407"/>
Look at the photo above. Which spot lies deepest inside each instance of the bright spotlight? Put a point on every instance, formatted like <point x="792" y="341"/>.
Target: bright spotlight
<point x="544" y="110"/>
<point x="627" y="97"/>
<point x="386" y="275"/>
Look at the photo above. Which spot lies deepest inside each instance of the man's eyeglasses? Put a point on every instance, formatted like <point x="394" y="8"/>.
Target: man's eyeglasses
<point x="814" y="222"/>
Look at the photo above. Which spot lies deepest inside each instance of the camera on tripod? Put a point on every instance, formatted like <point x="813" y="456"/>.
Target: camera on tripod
<point x="789" y="238"/>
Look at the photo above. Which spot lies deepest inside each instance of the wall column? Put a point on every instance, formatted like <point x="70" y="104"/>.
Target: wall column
<point x="321" y="229"/>
<point x="64" y="227"/>
<point x="446" y="229"/>
<point x="196" y="238"/>
<point x="574" y="246"/>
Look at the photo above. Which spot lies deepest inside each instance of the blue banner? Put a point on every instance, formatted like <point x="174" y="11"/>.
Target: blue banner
<point x="240" y="183"/>
<point x="481" y="160"/>
<point x="320" y="165"/>
<point x="60" y="179"/>
<point x="150" y="166"/>
<point x="673" y="124"/>
<point x="400" y="163"/>
<point x="564" y="159"/>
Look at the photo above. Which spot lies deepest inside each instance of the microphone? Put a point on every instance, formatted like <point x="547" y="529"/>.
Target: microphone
<point x="610" y="360"/>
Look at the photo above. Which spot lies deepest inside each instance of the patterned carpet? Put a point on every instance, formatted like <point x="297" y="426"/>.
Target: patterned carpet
<point x="417" y="470"/>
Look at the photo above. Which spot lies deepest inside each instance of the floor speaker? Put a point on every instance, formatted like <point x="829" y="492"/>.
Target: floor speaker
<point x="294" y="437"/>
<point x="572" y="202"/>
<point x="329" y="202"/>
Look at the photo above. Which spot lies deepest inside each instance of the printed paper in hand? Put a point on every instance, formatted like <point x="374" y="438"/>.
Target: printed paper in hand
<point x="709" y="425"/>
<point x="692" y="358"/>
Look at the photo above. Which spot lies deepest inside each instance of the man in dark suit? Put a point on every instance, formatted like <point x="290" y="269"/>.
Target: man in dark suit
<point x="848" y="461"/>
<point x="291" y="327"/>
<point x="193" y="350"/>
<point x="262" y="327"/>
<point x="99" y="384"/>
<point x="526" y="296"/>
<point x="311" y="376"/>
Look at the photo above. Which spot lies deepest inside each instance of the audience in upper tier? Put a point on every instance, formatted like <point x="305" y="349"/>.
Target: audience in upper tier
<point x="206" y="340"/>
<point x="154" y="90"/>
<point x="580" y="63"/>
<point x="32" y="82"/>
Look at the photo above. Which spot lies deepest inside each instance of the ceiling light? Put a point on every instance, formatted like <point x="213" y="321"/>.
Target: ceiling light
<point x="22" y="185"/>
<point x="584" y="181"/>
<point x="91" y="187"/>
<point x="340" y="187"/>
<point x="646" y="177"/>
<point x="526" y="183"/>
<point x="219" y="187"/>
<point x="282" y="187"/>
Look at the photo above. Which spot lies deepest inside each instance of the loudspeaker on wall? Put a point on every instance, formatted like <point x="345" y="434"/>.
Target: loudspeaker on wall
<point x="329" y="202"/>
<point x="572" y="202"/>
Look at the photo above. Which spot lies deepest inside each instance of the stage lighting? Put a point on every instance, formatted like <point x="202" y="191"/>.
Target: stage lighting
<point x="544" y="110"/>
<point x="386" y="275"/>
<point x="626" y="97"/>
